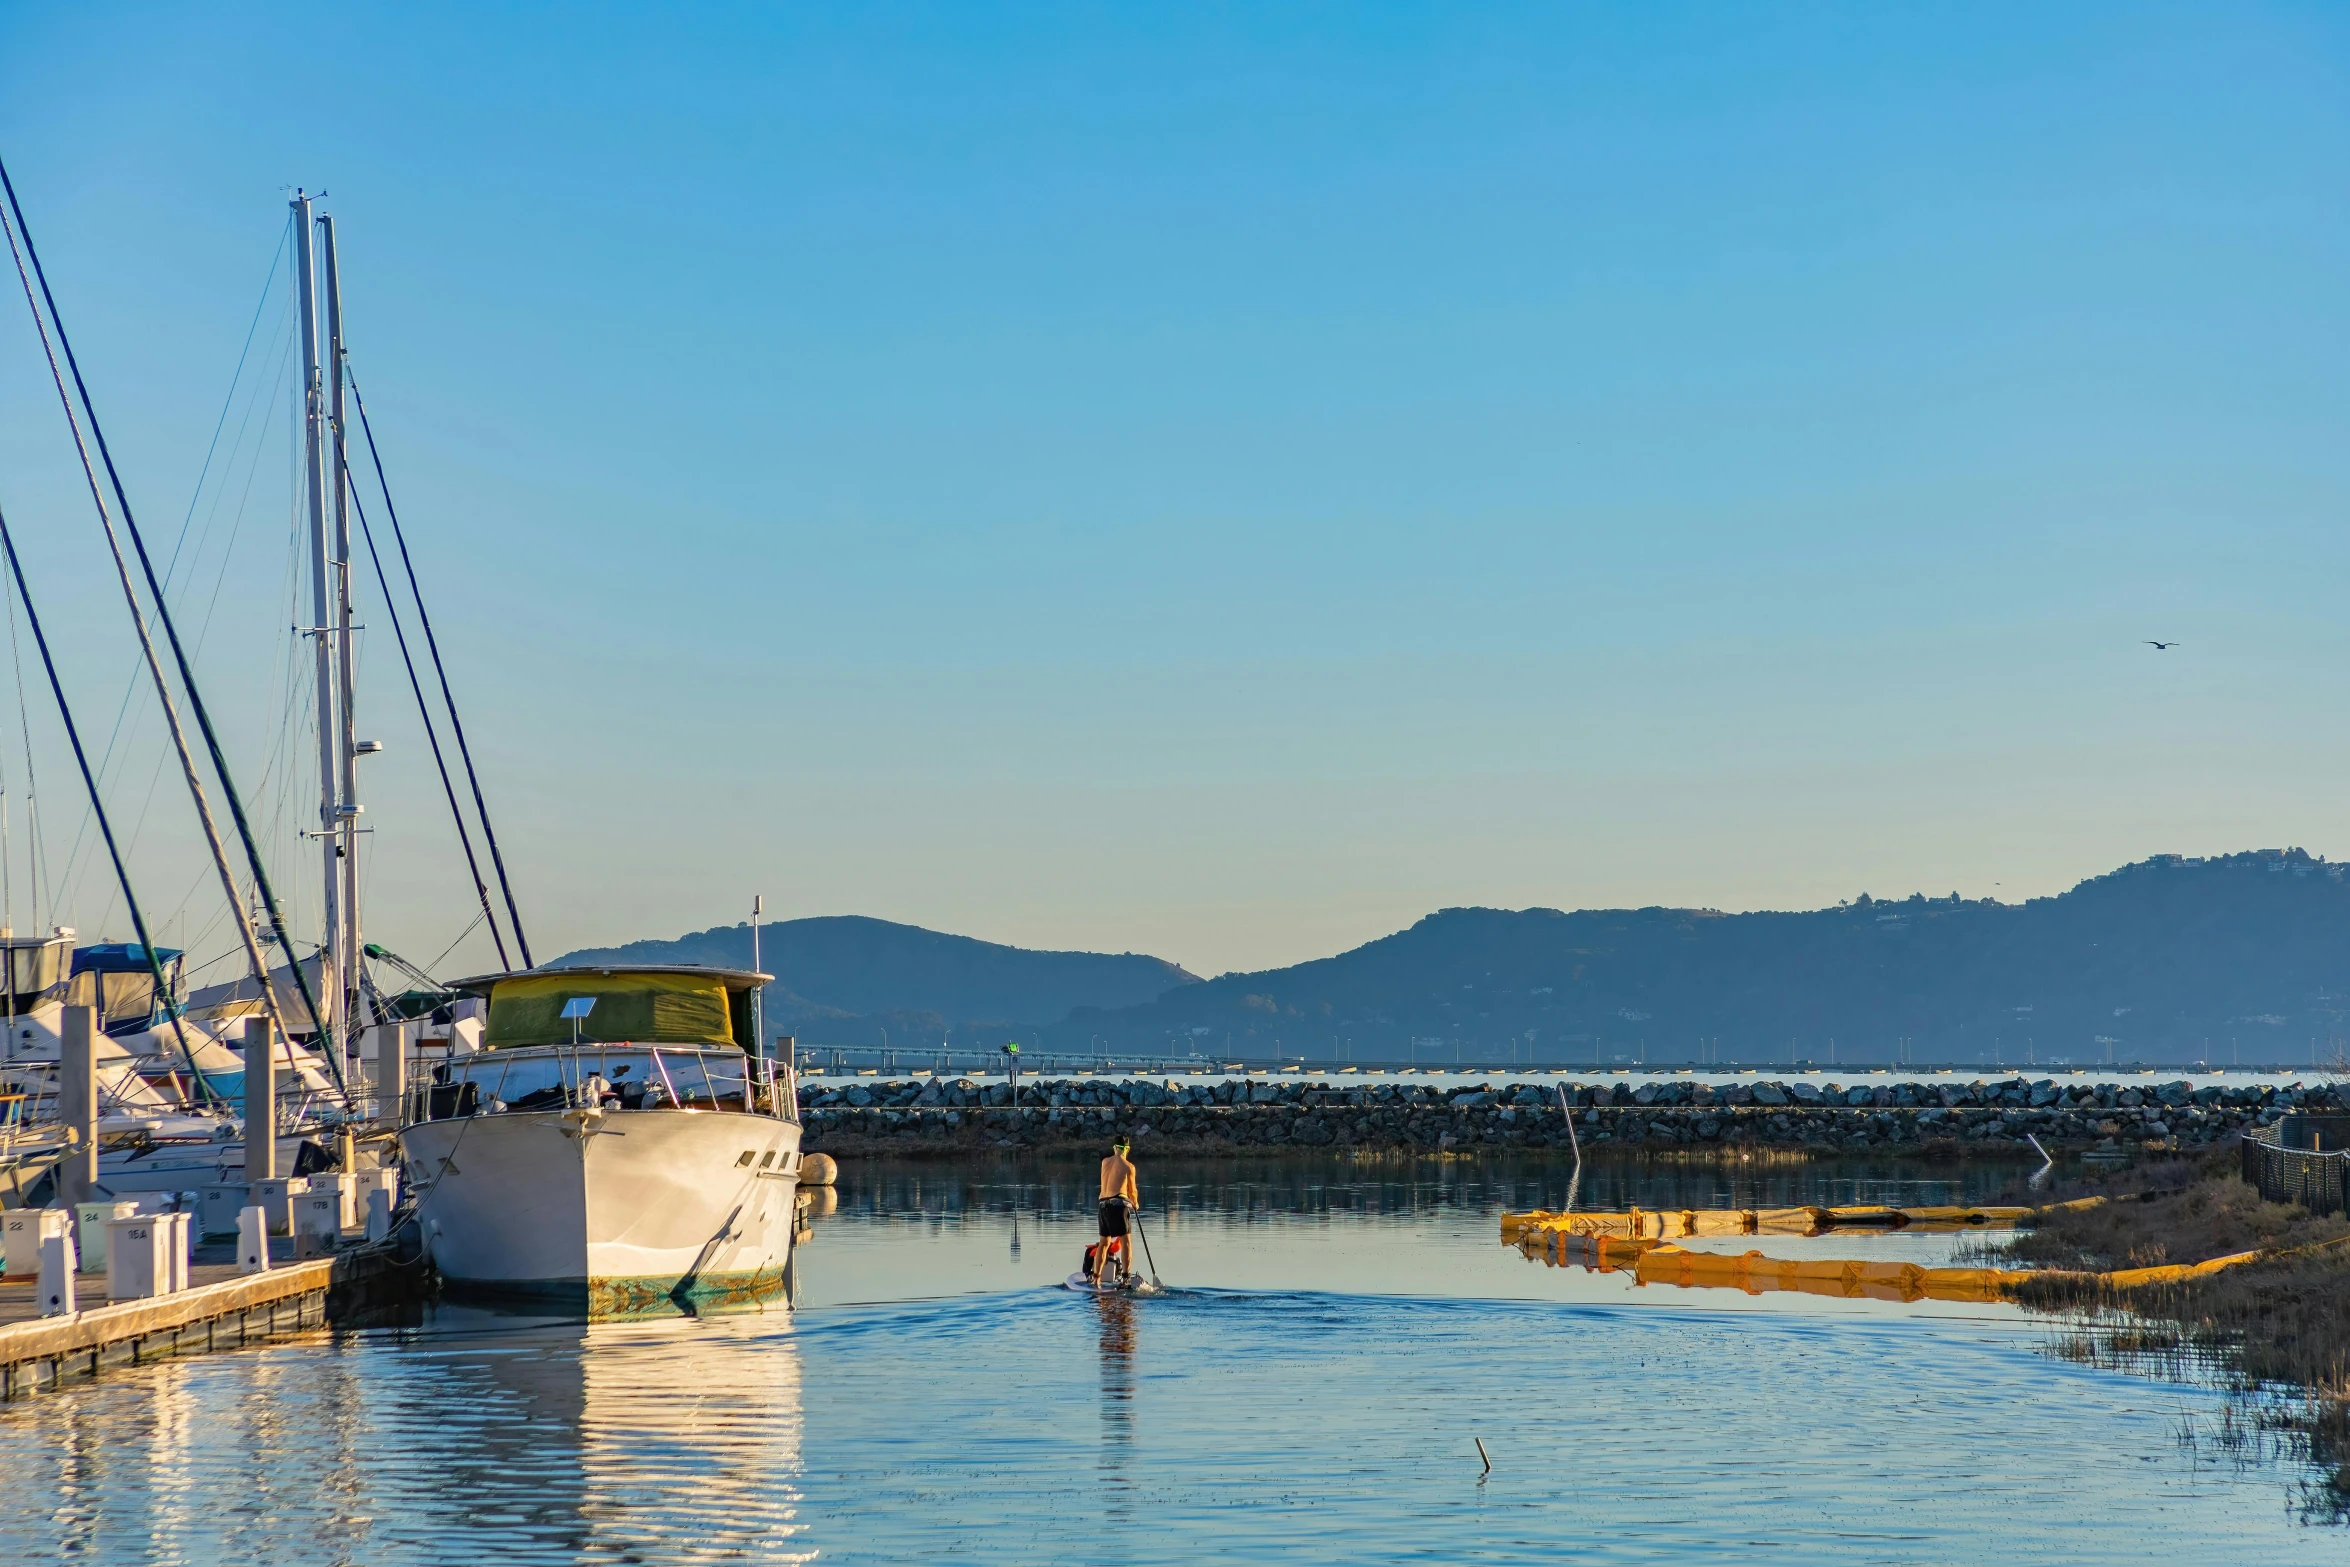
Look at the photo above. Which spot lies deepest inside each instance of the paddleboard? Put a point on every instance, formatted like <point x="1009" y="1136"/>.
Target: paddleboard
<point x="1078" y="1281"/>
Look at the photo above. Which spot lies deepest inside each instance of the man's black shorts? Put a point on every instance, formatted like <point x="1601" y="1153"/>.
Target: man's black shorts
<point x="1113" y="1216"/>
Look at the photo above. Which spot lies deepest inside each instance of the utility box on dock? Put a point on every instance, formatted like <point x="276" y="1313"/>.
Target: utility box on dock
<point x="318" y="1223"/>
<point x="138" y="1256"/>
<point x="276" y="1199"/>
<point x="90" y="1221"/>
<point x="343" y="1186"/>
<point x="217" y="1208"/>
<point x="22" y="1230"/>
<point x="385" y="1179"/>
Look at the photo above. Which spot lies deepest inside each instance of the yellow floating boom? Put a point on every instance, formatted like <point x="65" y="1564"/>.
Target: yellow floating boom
<point x="1660" y="1262"/>
<point x="1676" y="1223"/>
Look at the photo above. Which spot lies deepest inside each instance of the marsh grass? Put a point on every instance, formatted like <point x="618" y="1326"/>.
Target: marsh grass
<point x="2274" y="1333"/>
<point x="1710" y="1155"/>
<point x="1396" y="1157"/>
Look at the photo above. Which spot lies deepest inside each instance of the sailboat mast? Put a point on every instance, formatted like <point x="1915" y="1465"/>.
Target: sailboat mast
<point x="347" y="743"/>
<point x="322" y="622"/>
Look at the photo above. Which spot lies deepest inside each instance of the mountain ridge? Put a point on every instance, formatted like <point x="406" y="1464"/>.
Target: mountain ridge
<point x="850" y="979"/>
<point x="2240" y="958"/>
<point x="2167" y="959"/>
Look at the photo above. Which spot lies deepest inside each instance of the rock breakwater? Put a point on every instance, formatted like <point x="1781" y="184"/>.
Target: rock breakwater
<point x="949" y="1114"/>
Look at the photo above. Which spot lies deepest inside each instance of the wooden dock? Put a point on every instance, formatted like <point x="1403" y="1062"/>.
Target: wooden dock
<point x="221" y="1309"/>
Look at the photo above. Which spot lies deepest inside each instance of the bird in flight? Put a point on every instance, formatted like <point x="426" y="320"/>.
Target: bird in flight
<point x="2160" y="646"/>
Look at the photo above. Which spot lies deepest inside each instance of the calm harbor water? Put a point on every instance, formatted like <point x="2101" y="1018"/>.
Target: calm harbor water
<point x="1334" y="1336"/>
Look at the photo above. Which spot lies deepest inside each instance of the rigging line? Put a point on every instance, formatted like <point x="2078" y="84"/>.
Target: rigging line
<point x="452" y="946"/>
<point x="250" y="455"/>
<point x="208" y="963"/>
<point x="122" y="877"/>
<point x="121" y="872"/>
<point x="203" y="635"/>
<point x="31" y="795"/>
<point x="433" y="646"/>
<point x="180" y="913"/>
<point x="236" y="528"/>
<point x="132" y="686"/>
<point x="277" y="716"/>
<point x="448" y="786"/>
<point x="179" y="655"/>
<point x="170" y="567"/>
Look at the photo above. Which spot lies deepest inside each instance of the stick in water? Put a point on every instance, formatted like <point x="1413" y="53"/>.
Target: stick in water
<point x="1575" y="1181"/>
<point x="1481" y="1453"/>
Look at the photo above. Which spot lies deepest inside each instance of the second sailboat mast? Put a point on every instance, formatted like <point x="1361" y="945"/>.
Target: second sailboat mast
<point x="346" y="735"/>
<point x="330" y="600"/>
<point x="330" y="989"/>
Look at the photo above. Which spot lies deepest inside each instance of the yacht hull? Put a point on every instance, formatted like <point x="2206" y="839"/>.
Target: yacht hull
<point x="614" y="1214"/>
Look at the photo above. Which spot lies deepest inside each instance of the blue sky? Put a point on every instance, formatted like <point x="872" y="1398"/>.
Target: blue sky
<point x="1225" y="483"/>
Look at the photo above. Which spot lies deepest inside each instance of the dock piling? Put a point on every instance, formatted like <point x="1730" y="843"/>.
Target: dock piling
<point x="260" y="1100"/>
<point x="391" y="1073"/>
<point x="77" y="1105"/>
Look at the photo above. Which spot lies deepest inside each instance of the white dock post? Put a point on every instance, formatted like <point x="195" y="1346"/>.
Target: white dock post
<point x="77" y="1105"/>
<point x="56" y="1288"/>
<point x="253" y="1240"/>
<point x="379" y="1213"/>
<point x="183" y="1227"/>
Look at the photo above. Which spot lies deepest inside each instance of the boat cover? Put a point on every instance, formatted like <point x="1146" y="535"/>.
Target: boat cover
<point x="643" y="1009"/>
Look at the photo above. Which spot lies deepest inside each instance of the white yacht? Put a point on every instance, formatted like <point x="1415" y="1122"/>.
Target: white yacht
<point x="613" y="1148"/>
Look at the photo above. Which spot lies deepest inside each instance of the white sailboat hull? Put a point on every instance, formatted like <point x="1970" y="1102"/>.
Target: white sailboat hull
<point x="622" y="1211"/>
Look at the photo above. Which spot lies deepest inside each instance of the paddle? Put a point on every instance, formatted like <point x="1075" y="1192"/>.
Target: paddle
<point x="1146" y="1250"/>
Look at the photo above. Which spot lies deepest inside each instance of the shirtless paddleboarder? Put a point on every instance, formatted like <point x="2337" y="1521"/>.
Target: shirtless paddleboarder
<point x="1120" y="1197"/>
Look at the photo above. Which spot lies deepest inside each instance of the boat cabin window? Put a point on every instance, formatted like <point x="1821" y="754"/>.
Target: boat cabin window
<point x="118" y="978"/>
<point x="126" y="1002"/>
<point x="35" y="974"/>
<point x="696" y="1079"/>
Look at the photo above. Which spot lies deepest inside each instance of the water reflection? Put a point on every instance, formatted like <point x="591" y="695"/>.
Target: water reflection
<point x="1307" y="1391"/>
<point x="1378" y="1225"/>
<point x="1304" y="1186"/>
<point x="692" y="1441"/>
<point x="474" y="1438"/>
<point x="1119" y="1325"/>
